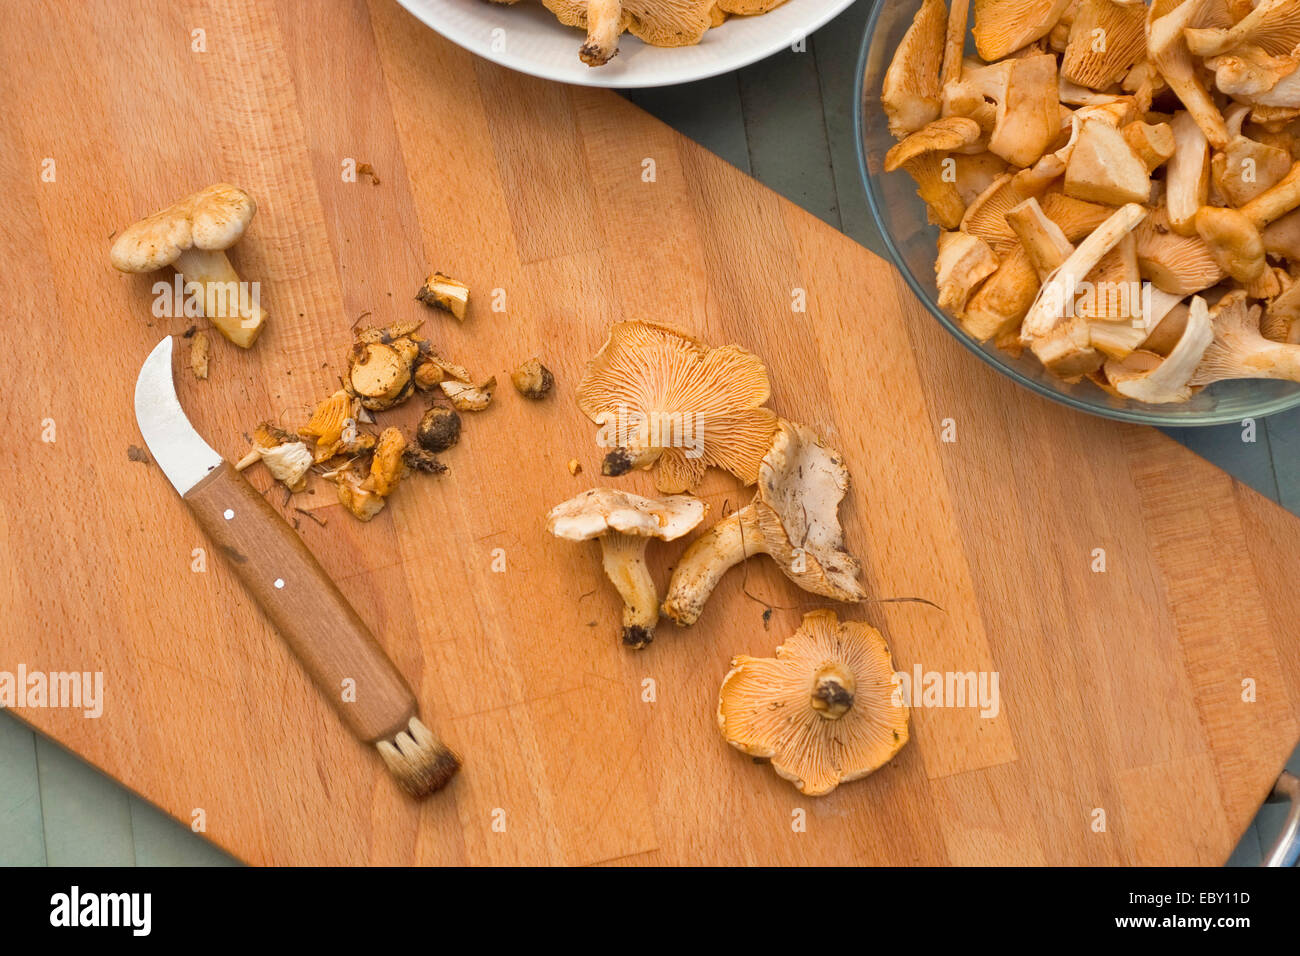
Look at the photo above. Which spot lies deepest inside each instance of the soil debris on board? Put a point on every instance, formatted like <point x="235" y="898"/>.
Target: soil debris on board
<point x="365" y="169"/>
<point x="136" y="453"/>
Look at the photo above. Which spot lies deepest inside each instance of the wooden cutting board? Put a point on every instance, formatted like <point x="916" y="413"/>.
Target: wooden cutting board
<point x="1122" y="736"/>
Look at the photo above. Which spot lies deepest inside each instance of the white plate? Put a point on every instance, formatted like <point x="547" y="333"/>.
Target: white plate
<point x="527" y="37"/>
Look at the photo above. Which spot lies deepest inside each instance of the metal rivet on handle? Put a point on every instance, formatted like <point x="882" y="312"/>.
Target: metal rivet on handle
<point x="228" y="514"/>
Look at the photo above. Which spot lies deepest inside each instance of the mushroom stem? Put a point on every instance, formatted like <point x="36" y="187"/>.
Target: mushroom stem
<point x="730" y="541"/>
<point x="604" y="20"/>
<point x="239" y="317"/>
<point x="833" y="689"/>
<point x="622" y="460"/>
<point x="624" y="559"/>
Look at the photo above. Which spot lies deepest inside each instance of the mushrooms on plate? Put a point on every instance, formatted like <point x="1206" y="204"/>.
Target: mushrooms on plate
<point x="666" y="400"/>
<point x="1159" y="141"/>
<point x="794" y="518"/>
<point x="624" y="523"/>
<point x="824" y="710"/>
<point x="192" y="236"/>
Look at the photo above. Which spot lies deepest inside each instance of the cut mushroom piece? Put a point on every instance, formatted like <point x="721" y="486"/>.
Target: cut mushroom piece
<point x="533" y="380"/>
<point x="286" y="457"/>
<point x="1004" y="26"/>
<point x="794" y="518"/>
<point x="200" y="354"/>
<point x="387" y="465"/>
<point x="1282" y="238"/>
<point x="825" y="710"/>
<point x="1276" y="201"/>
<point x="1187" y="175"/>
<point x="1001" y="303"/>
<point x="1239" y="350"/>
<point x="1273" y="26"/>
<point x="1179" y="265"/>
<point x="334" y="426"/>
<point x="439" y="428"/>
<point x="1057" y="294"/>
<point x="1148" y="378"/>
<point x="380" y="374"/>
<point x="624" y="523"/>
<point x="1153" y="144"/>
<point x="1028" y="117"/>
<point x="1044" y="241"/>
<point x="1104" y="169"/>
<point x="927" y="155"/>
<point x="910" y="92"/>
<point x="1167" y="50"/>
<point x="667" y="401"/>
<point x="1106" y="38"/>
<point x="954" y="44"/>
<point x="444" y="292"/>
<point x="1246" y="168"/>
<point x="1233" y="240"/>
<point x="469" y="398"/>
<point x="964" y="262"/>
<point x="192" y="236"/>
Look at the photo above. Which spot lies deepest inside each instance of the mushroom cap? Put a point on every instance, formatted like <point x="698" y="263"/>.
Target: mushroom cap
<point x="765" y="707"/>
<point x="213" y="218"/>
<point x="657" y="22"/>
<point x="671" y="380"/>
<point x="1004" y="26"/>
<point x="599" y="510"/>
<point x="800" y="485"/>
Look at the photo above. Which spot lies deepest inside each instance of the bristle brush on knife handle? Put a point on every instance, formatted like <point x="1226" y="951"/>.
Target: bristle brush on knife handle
<point x="320" y="626"/>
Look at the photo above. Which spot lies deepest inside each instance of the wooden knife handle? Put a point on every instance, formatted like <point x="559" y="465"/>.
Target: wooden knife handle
<point x="309" y="611"/>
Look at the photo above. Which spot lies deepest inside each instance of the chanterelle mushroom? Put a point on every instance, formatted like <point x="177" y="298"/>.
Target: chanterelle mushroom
<point x="624" y="523"/>
<point x="794" y="518"/>
<point x="664" y="398"/>
<point x="1239" y="350"/>
<point x="910" y="91"/>
<point x="193" y="236"/>
<point x="656" y="22"/>
<point x="823" y="710"/>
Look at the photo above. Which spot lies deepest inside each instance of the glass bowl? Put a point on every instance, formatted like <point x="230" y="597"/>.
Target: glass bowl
<point x="900" y="216"/>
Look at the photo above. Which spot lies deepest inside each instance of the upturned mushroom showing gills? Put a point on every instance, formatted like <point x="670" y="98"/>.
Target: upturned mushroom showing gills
<point x="624" y="523"/>
<point x="823" y="710"/>
<point x="665" y="399"/>
<point x="193" y="236"/>
<point x="794" y="518"/>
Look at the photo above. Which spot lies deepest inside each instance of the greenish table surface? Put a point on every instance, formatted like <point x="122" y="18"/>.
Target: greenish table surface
<point x="787" y="121"/>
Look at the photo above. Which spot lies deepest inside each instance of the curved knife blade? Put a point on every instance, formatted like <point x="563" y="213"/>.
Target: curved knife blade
<point x="184" y="457"/>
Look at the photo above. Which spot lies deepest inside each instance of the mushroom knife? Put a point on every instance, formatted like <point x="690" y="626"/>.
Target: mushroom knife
<point x="327" y="636"/>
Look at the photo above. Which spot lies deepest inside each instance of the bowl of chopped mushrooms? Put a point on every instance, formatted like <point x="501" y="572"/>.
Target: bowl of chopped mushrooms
<point x="625" y="43"/>
<point x="1100" y="198"/>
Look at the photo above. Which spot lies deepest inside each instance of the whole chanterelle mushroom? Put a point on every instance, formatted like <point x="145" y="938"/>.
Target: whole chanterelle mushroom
<point x="666" y="399"/>
<point x="624" y="523"/>
<point x="656" y="22"/>
<point x="794" y="518"/>
<point x="824" y="710"/>
<point x="193" y="235"/>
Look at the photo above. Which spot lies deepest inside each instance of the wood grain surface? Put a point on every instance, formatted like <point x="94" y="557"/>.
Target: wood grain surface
<point x="1121" y="691"/>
